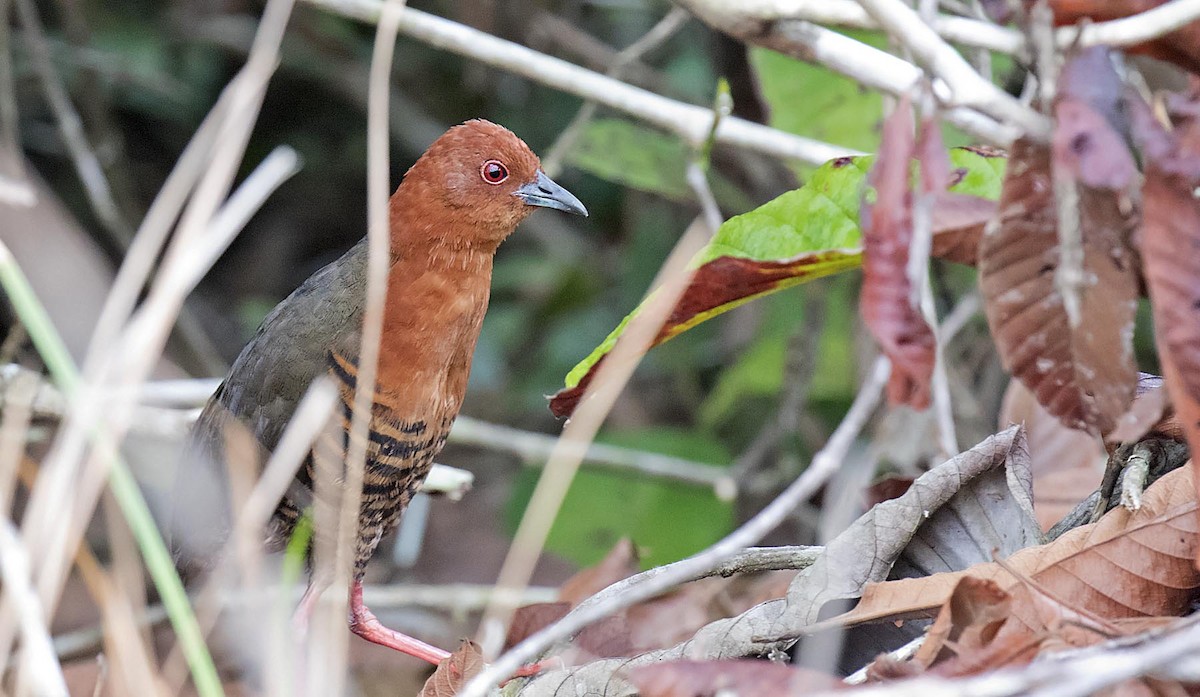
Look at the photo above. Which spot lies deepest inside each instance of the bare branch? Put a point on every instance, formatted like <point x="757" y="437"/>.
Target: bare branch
<point x="865" y="64"/>
<point x="967" y="87"/>
<point x="655" y="581"/>
<point x="1134" y="29"/>
<point x="87" y="165"/>
<point x="621" y="62"/>
<point x="685" y="120"/>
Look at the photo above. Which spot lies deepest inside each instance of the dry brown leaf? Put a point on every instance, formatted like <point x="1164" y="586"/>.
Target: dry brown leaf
<point x="453" y="671"/>
<point x="1079" y="376"/>
<point x="674" y="617"/>
<point x="1084" y="375"/>
<point x="607" y="638"/>
<point x="958" y="222"/>
<point x="970" y="618"/>
<point x="744" y="678"/>
<point x="1170" y="240"/>
<point x="886" y="301"/>
<point x="1151" y="414"/>
<point x="527" y="620"/>
<point x="620" y="563"/>
<point x="1125" y="565"/>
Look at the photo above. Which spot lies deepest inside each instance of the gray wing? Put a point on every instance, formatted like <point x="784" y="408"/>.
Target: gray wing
<point x="268" y="379"/>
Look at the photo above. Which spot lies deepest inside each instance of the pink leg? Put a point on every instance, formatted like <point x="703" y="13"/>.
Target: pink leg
<point x="364" y="623"/>
<point x="304" y="611"/>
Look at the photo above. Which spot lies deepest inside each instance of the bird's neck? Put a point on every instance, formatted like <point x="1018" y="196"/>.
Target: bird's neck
<point x="436" y="298"/>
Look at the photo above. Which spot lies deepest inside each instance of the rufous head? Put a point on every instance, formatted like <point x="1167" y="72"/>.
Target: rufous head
<point x="474" y="185"/>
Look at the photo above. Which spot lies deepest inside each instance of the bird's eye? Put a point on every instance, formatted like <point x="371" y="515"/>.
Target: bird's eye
<point x="493" y="172"/>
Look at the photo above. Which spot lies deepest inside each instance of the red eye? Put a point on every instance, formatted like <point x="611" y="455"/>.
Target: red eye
<point x="493" y="172"/>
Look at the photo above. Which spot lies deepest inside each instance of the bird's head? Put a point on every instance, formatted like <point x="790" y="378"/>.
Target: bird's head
<point x="478" y="181"/>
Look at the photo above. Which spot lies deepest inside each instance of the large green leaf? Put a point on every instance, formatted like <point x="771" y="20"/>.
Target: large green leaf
<point x="804" y="234"/>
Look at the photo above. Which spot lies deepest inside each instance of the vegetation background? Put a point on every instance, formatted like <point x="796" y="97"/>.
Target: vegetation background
<point x="756" y="392"/>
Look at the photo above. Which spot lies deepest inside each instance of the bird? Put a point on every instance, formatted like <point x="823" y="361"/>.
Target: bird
<point x="463" y="197"/>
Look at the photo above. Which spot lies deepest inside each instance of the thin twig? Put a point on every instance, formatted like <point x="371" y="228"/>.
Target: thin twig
<point x="967" y="87"/>
<point x="39" y="667"/>
<point x="329" y="678"/>
<point x="87" y="165"/>
<point x="865" y="64"/>
<point x="1134" y="29"/>
<point x="686" y="120"/>
<point x="534" y="448"/>
<point x="978" y="33"/>
<point x="664" y="29"/>
<point x="15" y="188"/>
<point x="656" y="581"/>
<point x="453" y="598"/>
<point x="580" y="431"/>
<point x="14" y="424"/>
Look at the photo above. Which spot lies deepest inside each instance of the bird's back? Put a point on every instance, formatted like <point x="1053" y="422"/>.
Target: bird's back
<point x="294" y="345"/>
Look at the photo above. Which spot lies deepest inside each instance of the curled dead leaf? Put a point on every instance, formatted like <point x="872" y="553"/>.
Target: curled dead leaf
<point x="886" y="301"/>
<point x="454" y="671"/>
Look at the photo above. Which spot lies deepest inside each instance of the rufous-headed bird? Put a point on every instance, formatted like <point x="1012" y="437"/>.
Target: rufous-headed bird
<point x="455" y="206"/>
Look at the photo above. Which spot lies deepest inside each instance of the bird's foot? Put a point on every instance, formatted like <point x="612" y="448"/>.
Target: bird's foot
<point x="364" y="623"/>
<point x="1133" y="467"/>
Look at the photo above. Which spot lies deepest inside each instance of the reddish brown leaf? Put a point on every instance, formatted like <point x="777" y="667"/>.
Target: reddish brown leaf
<point x="970" y="618"/>
<point x="608" y="638"/>
<point x="958" y="222"/>
<point x="453" y="671"/>
<point x="529" y="619"/>
<point x="1091" y="120"/>
<point x="1084" y="375"/>
<point x="1151" y="414"/>
<point x="745" y="678"/>
<point x="886" y="301"/>
<point x="675" y="617"/>
<point x="620" y="563"/>
<point x="1171" y="254"/>
<point x="1067" y="464"/>
<point x="892" y="487"/>
<point x="722" y="281"/>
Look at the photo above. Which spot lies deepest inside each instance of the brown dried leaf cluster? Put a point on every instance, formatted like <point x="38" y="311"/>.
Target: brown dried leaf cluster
<point x="1126" y="565"/>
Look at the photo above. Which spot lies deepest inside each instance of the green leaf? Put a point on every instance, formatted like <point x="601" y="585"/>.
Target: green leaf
<point x="666" y="520"/>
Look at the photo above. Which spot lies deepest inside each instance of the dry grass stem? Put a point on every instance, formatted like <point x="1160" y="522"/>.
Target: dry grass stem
<point x="39" y="669"/>
<point x="655" y="581"/>
<point x="618" y="366"/>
